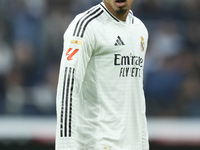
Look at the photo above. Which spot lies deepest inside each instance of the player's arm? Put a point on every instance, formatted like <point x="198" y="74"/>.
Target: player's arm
<point x="145" y="138"/>
<point x="76" y="55"/>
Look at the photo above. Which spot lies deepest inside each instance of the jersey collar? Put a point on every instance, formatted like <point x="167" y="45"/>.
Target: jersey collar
<point x="116" y="19"/>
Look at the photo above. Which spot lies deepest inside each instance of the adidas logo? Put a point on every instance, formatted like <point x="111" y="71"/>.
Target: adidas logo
<point x="119" y="41"/>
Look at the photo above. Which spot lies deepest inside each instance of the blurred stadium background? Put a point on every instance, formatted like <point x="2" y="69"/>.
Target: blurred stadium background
<point x="31" y="33"/>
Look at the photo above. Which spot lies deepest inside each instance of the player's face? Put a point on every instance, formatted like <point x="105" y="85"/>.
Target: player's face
<point x="119" y="6"/>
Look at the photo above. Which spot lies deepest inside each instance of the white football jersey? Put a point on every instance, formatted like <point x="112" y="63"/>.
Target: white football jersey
<point x="100" y="97"/>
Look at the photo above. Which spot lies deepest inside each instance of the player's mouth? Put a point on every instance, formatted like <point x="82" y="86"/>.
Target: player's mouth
<point x="120" y="3"/>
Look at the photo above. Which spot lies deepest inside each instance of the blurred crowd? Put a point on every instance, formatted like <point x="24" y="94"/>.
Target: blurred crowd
<point x="31" y="43"/>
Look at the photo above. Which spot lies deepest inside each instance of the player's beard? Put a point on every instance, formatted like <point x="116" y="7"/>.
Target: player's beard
<point x="121" y="11"/>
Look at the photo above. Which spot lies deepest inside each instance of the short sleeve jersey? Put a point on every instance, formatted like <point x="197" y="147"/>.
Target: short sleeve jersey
<point x="100" y="97"/>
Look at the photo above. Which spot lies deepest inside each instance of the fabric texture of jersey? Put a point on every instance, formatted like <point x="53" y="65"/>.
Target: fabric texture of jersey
<point x="100" y="97"/>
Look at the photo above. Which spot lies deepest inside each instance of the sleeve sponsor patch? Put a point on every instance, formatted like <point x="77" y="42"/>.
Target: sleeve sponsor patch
<point x="76" y="42"/>
<point x="70" y="53"/>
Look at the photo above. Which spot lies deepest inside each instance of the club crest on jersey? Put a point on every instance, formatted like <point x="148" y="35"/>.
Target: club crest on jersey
<point x="71" y="53"/>
<point x="105" y="147"/>
<point x="76" y="42"/>
<point x="142" y="44"/>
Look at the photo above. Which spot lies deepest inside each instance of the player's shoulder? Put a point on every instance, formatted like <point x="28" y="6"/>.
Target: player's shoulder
<point x="86" y="21"/>
<point x="137" y="21"/>
<point x="140" y="23"/>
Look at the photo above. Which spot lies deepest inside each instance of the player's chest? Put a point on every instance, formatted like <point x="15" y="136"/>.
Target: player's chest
<point x="120" y="40"/>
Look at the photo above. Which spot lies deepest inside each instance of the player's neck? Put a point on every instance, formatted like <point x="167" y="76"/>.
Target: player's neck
<point x="120" y="16"/>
